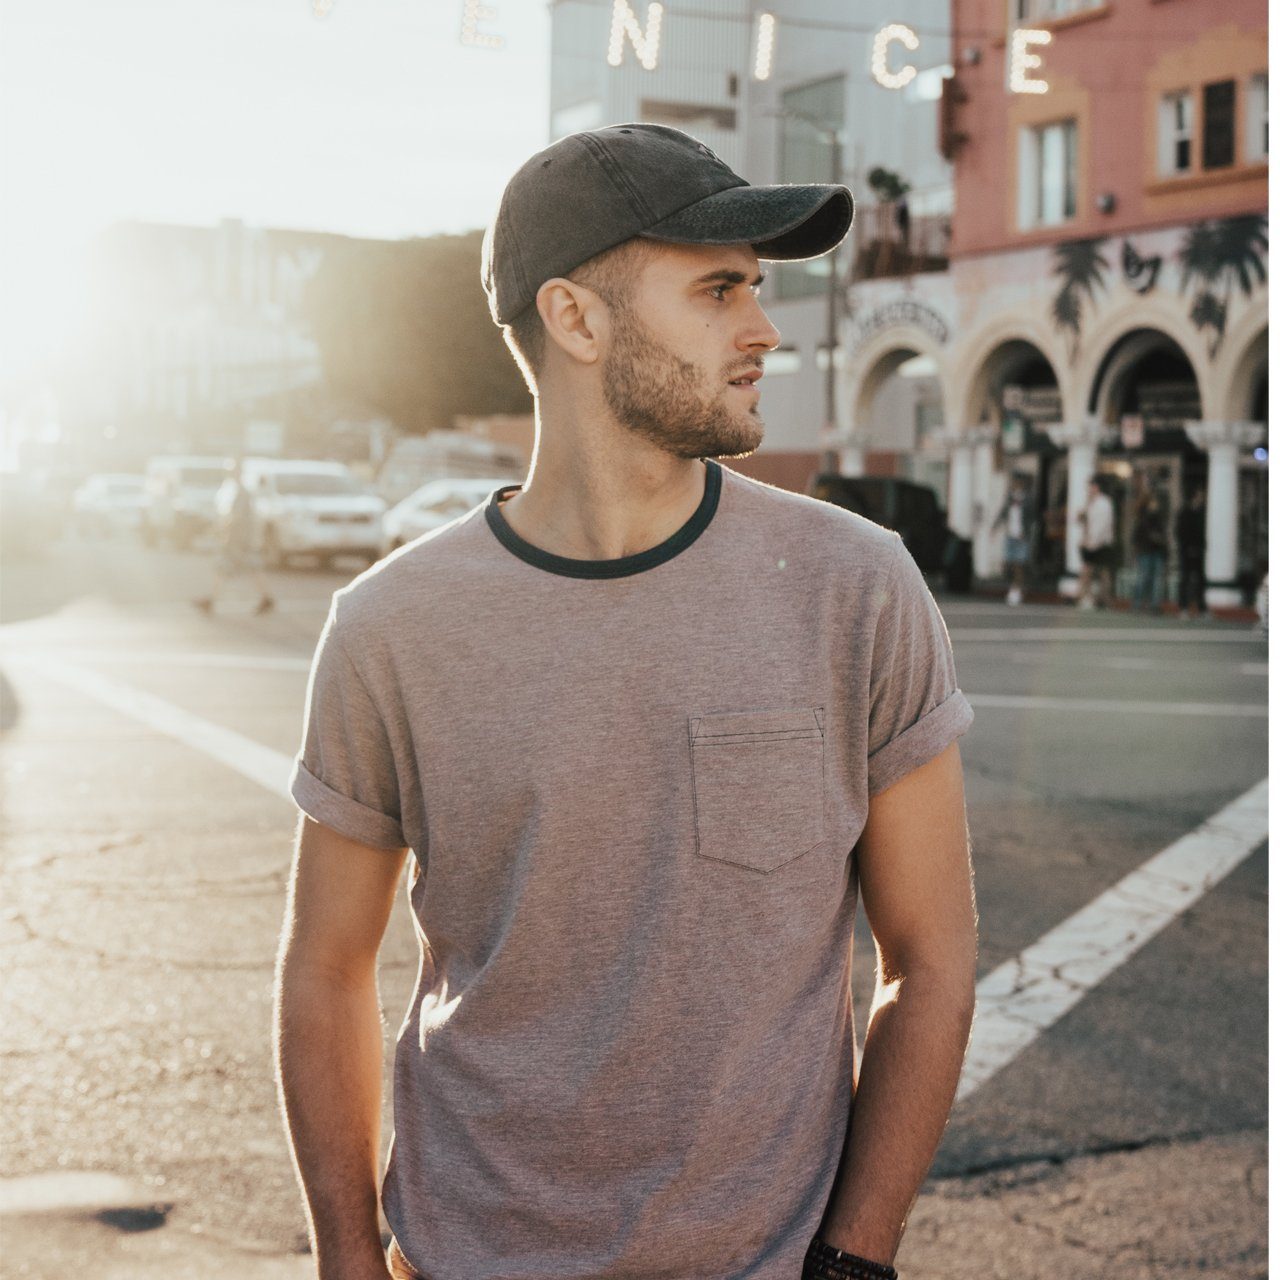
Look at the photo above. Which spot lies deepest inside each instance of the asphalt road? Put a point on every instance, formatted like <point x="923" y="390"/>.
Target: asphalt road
<point x="143" y="858"/>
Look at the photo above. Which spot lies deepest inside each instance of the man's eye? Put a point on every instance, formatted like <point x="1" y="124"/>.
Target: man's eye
<point x="718" y="291"/>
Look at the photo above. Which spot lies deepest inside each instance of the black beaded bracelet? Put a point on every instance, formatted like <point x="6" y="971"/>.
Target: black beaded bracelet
<point x="825" y="1262"/>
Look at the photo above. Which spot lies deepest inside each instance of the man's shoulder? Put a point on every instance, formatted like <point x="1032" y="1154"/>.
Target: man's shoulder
<point x="845" y="535"/>
<point x="393" y="588"/>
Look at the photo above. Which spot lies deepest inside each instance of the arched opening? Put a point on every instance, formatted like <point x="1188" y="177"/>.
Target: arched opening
<point x="1146" y="388"/>
<point x="1251" y="384"/>
<point x="900" y="419"/>
<point x="1016" y="390"/>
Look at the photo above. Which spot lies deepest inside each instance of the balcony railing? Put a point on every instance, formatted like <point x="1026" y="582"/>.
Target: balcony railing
<point x="888" y="245"/>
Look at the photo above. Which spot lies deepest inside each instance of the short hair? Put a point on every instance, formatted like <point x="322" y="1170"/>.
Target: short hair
<point x="612" y="274"/>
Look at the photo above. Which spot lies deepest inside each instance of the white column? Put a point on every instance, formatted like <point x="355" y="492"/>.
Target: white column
<point x="1081" y="440"/>
<point x="986" y="558"/>
<point x="960" y="489"/>
<point x="1223" y="442"/>
<point x="852" y="462"/>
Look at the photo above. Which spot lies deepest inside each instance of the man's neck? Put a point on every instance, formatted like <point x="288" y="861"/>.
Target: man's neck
<point x="600" y="492"/>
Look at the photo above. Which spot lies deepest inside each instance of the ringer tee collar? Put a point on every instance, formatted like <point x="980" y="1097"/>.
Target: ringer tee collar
<point x="621" y="567"/>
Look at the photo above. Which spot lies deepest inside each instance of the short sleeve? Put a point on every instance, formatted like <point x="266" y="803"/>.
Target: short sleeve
<point x="916" y="709"/>
<point x="345" y="774"/>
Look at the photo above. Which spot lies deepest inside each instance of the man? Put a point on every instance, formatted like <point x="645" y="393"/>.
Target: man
<point x="237" y="529"/>
<point x="1190" y="533"/>
<point x="647" y="726"/>
<point x="1017" y="515"/>
<point x="1098" y="531"/>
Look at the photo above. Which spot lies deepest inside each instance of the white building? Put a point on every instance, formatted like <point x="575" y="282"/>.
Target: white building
<point x="196" y="325"/>
<point x="809" y="91"/>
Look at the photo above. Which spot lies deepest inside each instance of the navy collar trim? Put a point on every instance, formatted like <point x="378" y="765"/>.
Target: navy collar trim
<point x="621" y="567"/>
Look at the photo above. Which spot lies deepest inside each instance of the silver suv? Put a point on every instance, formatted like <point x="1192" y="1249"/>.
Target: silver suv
<point x="315" y="508"/>
<point x="179" y="498"/>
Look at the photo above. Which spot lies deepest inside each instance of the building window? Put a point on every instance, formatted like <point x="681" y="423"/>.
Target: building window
<point x="1219" y="150"/>
<point x="1023" y="11"/>
<point x="1175" y="132"/>
<point x="808" y="151"/>
<point x="1047" y="175"/>
<point x="1256" y="117"/>
<point x="689" y="116"/>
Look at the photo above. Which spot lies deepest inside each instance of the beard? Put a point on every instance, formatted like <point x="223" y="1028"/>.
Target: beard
<point x="662" y="398"/>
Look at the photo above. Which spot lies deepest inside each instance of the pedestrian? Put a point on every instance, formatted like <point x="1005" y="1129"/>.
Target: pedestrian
<point x="1017" y="514"/>
<point x="1097" y="536"/>
<point x="1190" y="533"/>
<point x="650" y="728"/>
<point x="236" y="528"/>
<point x="1151" y="552"/>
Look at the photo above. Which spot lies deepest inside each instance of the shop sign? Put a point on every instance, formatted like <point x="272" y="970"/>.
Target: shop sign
<point x="1013" y="436"/>
<point x="1131" y="432"/>
<point x="905" y="311"/>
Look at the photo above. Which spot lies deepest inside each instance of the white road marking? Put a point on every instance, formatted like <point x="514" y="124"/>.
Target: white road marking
<point x="173" y="658"/>
<point x="1122" y="706"/>
<point x="1024" y="996"/>
<point x="269" y="769"/>
<point x="1016" y="1001"/>
<point x="1209" y="662"/>
<point x="1101" y="635"/>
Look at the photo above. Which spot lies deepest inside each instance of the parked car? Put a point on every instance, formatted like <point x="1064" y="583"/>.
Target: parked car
<point x="180" y="494"/>
<point x="314" y="508"/>
<point x="109" y="502"/>
<point x="433" y="504"/>
<point x="910" y="509"/>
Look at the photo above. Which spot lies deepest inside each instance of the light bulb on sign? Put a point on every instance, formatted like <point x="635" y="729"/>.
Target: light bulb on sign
<point x="644" y="43"/>
<point x="764" y="45"/>
<point x="880" y="55"/>
<point x="1022" y="60"/>
<point x="473" y="14"/>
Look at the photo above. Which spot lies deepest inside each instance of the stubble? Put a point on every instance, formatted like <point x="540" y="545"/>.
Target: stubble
<point x="662" y="397"/>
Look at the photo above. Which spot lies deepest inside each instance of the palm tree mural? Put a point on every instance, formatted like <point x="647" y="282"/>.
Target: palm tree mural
<point x="1080" y="266"/>
<point x="1215" y="257"/>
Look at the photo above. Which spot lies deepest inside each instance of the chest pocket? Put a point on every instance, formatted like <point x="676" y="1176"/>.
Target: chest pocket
<point x="757" y="782"/>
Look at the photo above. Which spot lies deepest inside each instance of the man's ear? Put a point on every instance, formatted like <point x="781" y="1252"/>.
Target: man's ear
<point x="576" y="318"/>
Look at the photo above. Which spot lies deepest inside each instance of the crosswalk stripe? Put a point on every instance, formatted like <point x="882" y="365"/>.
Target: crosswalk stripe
<point x="1021" y="998"/>
<point x="1124" y="706"/>
<point x="269" y="769"/>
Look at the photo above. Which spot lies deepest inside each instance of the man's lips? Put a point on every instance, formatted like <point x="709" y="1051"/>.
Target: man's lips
<point x="748" y="379"/>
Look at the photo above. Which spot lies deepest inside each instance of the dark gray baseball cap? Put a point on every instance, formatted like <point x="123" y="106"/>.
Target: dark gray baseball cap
<point x="591" y="191"/>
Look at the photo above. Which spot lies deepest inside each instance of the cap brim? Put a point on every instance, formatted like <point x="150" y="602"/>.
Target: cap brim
<point x="782" y="223"/>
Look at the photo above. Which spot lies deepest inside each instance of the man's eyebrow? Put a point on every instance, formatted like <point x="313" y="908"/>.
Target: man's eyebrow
<point x="725" y="275"/>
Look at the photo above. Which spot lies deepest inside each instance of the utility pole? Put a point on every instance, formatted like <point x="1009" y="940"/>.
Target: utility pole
<point x="831" y="135"/>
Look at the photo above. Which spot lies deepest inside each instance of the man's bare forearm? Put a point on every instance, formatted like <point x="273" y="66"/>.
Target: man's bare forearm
<point x="911" y="1062"/>
<point x="329" y="1053"/>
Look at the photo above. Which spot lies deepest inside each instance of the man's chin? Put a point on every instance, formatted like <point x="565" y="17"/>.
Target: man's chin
<point x="741" y="444"/>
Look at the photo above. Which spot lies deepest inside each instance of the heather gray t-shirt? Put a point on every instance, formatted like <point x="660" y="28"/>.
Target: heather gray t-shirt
<point x="632" y="789"/>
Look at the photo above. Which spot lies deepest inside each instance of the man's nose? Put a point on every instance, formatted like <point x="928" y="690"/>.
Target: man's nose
<point x="758" y="331"/>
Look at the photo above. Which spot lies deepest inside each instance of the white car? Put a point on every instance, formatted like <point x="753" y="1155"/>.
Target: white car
<point x="109" y="502"/>
<point x="180" y="493"/>
<point x="313" y="508"/>
<point x="435" y="503"/>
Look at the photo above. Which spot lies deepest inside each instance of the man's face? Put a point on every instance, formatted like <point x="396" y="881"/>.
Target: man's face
<point x="684" y="355"/>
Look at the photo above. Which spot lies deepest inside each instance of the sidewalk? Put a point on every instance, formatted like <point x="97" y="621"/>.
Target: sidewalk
<point x="1171" y="1210"/>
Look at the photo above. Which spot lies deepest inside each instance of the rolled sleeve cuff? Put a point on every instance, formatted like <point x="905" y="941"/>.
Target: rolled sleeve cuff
<point x="344" y="815"/>
<point x="919" y="743"/>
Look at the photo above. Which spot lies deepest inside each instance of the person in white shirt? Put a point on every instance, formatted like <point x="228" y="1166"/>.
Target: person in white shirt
<point x="1098" y="523"/>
